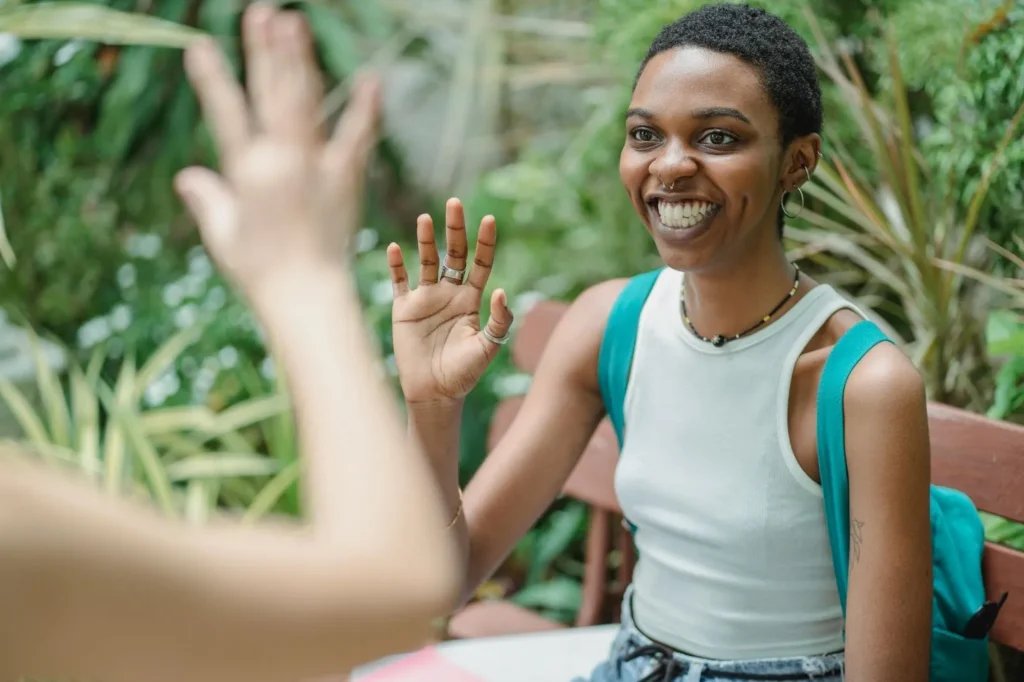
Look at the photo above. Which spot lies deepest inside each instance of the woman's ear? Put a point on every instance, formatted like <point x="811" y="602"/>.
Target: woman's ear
<point x="800" y="161"/>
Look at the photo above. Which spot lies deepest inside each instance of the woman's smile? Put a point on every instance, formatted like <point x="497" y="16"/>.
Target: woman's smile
<point x="681" y="221"/>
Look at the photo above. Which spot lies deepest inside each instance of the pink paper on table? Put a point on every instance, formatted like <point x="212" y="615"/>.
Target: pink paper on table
<point x="426" y="665"/>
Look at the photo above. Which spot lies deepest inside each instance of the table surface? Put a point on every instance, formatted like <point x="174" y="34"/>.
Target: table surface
<point x="554" y="656"/>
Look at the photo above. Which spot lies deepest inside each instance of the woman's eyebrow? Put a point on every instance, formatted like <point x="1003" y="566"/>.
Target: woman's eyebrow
<point x="709" y="112"/>
<point x="716" y="112"/>
<point x="640" y="113"/>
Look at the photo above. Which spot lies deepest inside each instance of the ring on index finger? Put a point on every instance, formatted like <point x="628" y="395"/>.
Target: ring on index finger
<point x="453" y="275"/>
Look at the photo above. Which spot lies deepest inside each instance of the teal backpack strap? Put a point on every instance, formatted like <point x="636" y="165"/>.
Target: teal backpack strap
<point x="616" y="357"/>
<point x="848" y="351"/>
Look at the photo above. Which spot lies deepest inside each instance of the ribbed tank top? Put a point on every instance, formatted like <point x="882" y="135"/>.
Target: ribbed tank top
<point x="734" y="558"/>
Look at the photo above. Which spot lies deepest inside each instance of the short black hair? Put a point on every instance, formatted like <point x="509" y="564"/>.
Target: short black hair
<point x="764" y="41"/>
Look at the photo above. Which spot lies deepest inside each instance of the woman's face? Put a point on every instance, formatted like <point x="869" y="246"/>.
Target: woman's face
<point x="702" y="161"/>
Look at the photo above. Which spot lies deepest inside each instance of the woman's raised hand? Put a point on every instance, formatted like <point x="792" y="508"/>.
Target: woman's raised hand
<point x="440" y="347"/>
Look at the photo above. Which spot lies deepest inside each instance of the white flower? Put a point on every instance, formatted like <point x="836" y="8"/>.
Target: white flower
<point x="10" y="48"/>
<point x="173" y="295"/>
<point x="162" y="388"/>
<point x="186" y="316"/>
<point x="145" y="246"/>
<point x="382" y="292"/>
<point x="66" y="52"/>
<point x="126" y="276"/>
<point x="120" y="317"/>
<point x="93" y="332"/>
<point x="366" y="239"/>
<point x="228" y="357"/>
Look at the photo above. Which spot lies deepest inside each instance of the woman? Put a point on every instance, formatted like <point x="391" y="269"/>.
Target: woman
<point x="719" y="472"/>
<point x="95" y="588"/>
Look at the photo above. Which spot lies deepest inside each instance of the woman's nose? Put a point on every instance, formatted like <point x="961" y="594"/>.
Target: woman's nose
<point x="673" y="164"/>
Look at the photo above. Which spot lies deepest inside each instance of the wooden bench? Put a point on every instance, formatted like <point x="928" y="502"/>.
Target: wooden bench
<point x="979" y="456"/>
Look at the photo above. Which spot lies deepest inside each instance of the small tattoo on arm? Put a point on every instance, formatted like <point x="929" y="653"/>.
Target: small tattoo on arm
<point x="856" y="536"/>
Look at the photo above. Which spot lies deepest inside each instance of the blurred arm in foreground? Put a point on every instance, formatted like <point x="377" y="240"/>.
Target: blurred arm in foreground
<point x="97" y="588"/>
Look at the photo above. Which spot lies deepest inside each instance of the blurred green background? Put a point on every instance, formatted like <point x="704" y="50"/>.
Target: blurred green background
<point x="125" y="354"/>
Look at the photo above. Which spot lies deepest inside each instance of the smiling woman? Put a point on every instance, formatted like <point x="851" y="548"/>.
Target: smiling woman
<point x="719" y="471"/>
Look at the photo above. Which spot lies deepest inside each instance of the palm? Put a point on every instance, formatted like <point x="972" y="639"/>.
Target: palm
<point x="440" y="350"/>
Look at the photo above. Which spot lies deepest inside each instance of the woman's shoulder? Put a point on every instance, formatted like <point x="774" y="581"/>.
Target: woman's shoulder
<point x="884" y="378"/>
<point x="884" y="368"/>
<point x="885" y="388"/>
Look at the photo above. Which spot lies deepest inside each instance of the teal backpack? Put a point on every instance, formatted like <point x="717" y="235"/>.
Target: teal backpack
<point x="959" y="607"/>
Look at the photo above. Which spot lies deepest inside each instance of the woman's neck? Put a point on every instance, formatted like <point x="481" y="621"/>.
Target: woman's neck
<point x="731" y="300"/>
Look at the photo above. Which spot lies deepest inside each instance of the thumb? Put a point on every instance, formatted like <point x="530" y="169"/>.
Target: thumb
<point x="500" y="322"/>
<point x="208" y="198"/>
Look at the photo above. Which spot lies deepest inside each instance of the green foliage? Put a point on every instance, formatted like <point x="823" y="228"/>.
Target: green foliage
<point x="187" y="460"/>
<point x="66" y="20"/>
<point x="974" y="89"/>
<point x="1005" y="336"/>
<point x="898" y="228"/>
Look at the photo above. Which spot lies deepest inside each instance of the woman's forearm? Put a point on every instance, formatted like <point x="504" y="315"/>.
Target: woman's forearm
<point x="362" y="472"/>
<point x="435" y="428"/>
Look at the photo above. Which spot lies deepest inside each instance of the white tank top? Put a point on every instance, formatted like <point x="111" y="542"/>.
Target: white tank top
<point x="734" y="559"/>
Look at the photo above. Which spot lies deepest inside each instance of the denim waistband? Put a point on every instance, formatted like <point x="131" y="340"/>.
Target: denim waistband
<point x="656" y="661"/>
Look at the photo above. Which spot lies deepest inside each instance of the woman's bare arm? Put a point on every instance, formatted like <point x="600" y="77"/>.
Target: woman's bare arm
<point x="97" y="588"/>
<point x="525" y="472"/>
<point x="890" y="591"/>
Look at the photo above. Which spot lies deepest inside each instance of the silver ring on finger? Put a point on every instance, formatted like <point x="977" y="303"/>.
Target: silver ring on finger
<point x="452" y="274"/>
<point x="500" y="340"/>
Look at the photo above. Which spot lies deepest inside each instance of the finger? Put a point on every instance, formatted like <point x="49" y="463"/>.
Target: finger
<point x="220" y="97"/>
<point x="483" y="259"/>
<point x="399" y="277"/>
<point x="428" y="249"/>
<point x="356" y="133"/>
<point x="455" y="235"/>
<point x="499" y="322"/>
<point x="260" y="63"/>
<point x="208" y="198"/>
<point x="293" y="112"/>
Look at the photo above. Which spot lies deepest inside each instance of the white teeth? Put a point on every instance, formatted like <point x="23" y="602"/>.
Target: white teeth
<point x="683" y="215"/>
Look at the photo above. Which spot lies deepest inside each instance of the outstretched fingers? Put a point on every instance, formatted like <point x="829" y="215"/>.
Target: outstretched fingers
<point x="261" y="67"/>
<point x="456" y="245"/>
<point x="483" y="259"/>
<point x="496" y="332"/>
<point x="355" y="135"/>
<point x="399" y="276"/>
<point x="220" y="98"/>
<point x="293" y="111"/>
<point x="427" y="249"/>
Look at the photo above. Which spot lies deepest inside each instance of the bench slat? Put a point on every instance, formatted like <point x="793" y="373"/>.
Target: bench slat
<point x="1004" y="572"/>
<point x="982" y="457"/>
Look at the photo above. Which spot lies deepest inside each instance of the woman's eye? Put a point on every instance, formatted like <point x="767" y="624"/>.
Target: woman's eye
<point x="643" y="135"/>
<point x="719" y="138"/>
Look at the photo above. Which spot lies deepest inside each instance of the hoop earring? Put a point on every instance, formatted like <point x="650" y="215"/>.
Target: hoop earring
<point x="783" y="204"/>
<point x="800" y="192"/>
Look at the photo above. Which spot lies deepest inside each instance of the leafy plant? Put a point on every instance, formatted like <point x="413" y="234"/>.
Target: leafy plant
<point x="958" y="56"/>
<point x="68" y="20"/>
<point x="185" y="459"/>
<point x="893" y="232"/>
